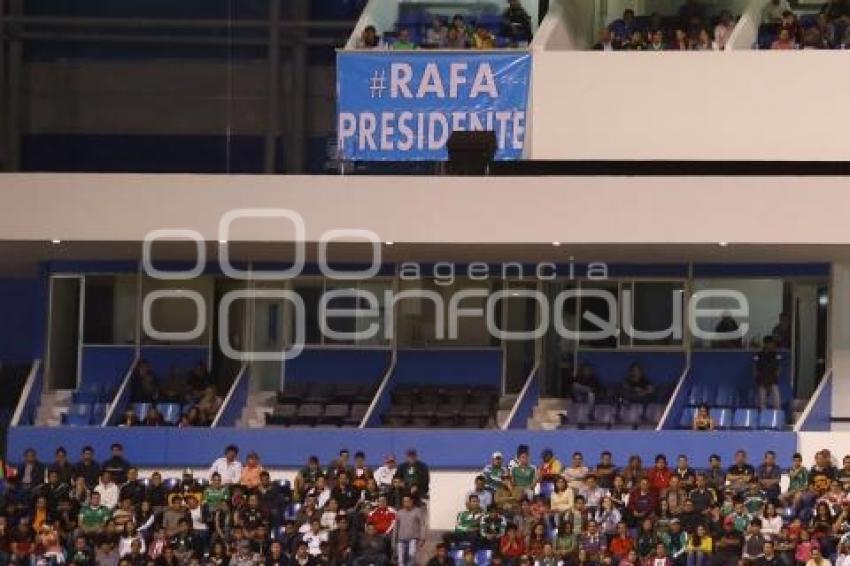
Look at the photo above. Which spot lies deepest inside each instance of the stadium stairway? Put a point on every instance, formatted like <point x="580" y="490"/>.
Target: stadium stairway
<point x="506" y="405"/>
<point x="547" y="414"/>
<point x="260" y="404"/>
<point x="52" y="405"/>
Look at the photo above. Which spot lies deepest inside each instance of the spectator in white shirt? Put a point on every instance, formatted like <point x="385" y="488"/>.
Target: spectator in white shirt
<point x="108" y="491"/>
<point x="228" y="467"/>
<point x="385" y="474"/>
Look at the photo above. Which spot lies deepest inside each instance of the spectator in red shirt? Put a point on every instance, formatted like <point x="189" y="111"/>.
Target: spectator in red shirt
<point x="512" y="545"/>
<point x="659" y="476"/>
<point x="622" y="543"/>
<point x="382" y="517"/>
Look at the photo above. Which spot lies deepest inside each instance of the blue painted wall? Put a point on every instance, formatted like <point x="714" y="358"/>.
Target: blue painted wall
<point x="22" y="310"/>
<point x="612" y="367"/>
<point x="819" y="416"/>
<point x="331" y="365"/>
<point x="456" y="449"/>
<point x="181" y="358"/>
<point x="482" y="367"/>
<point x="105" y="366"/>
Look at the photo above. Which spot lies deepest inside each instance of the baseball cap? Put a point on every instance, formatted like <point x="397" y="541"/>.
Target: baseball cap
<point x="497" y="455"/>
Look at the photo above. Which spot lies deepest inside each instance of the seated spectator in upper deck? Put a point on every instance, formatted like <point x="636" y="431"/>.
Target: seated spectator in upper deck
<point x="637" y="387"/>
<point x="455" y="39"/>
<point x="516" y="23"/>
<point x="403" y="42"/>
<point x="435" y="36"/>
<point x="636" y="42"/>
<point x="723" y="29"/>
<point x="625" y="27"/>
<point x="145" y="386"/>
<point x="369" y="39"/>
<point x="772" y="13"/>
<point x="656" y="41"/>
<point x="607" y="41"/>
<point x="784" y="41"/>
<point x="704" y="42"/>
<point x="483" y="39"/>
<point x="680" y="40"/>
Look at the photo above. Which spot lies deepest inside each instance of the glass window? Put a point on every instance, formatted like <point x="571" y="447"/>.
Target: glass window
<point x="764" y="301"/>
<point x="111" y="309"/>
<point x="176" y="311"/>
<point x="599" y="300"/>
<point x="653" y="304"/>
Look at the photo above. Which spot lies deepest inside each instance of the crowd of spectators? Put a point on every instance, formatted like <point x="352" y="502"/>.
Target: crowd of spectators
<point x="89" y="513"/>
<point x="689" y="30"/>
<point x="782" y="28"/>
<point x="193" y="392"/>
<point x="582" y="514"/>
<point x="512" y="29"/>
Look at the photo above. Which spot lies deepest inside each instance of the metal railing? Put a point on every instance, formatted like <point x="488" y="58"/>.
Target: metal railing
<point x="532" y="376"/>
<point x="123" y="391"/>
<point x="30" y="395"/>
<point x="236" y="396"/>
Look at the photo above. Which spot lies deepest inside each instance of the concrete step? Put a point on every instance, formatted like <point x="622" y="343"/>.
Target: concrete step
<point x="507" y="401"/>
<point x="554" y="403"/>
<point x="502" y="416"/>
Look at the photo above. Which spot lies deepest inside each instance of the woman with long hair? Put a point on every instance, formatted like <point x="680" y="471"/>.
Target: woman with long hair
<point x="700" y="547"/>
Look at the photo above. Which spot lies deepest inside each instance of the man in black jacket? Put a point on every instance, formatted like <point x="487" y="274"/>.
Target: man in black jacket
<point x="371" y="548"/>
<point x="134" y="488"/>
<point x="273" y="500"/>
<point x="30" y="471"/>
<point x="117" y="465"/>
<point x="87" y="468"/>
<point x="62" y="466"/>
<point x="415" y="473"/>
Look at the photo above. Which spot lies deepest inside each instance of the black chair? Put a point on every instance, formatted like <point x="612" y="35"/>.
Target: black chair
<point x="283" y="414"/>
<point x="293" y="393"/>
<point x="309" y="414"/>
<point x="358" y="412"/>
<point x="398" y="415"/>
<point x="320" y="393"/>
<point x="346" y="392"/>
<point x="335" y="414"/>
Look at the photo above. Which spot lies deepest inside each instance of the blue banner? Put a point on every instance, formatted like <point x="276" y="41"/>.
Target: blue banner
<point x="403" y="105"/>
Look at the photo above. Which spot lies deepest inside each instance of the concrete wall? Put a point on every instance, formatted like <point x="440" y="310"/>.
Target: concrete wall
<point x="736" y="105"/>
<point x="595" y="210"/>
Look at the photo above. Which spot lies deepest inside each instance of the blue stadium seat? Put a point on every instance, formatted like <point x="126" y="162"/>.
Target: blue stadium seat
<point x="727" y="396"/>
<point x="772" y="419"/>
<point x="79" y="414"/>
<point x="99" y="412"/>
<point x="483" y="557"/>
<point x="291" y="511"/>
<point x="456" y="556"/>
<point x="745" y="419"/>
<point x="722" y="417"/>
<point x="687" y="419"/>
<point x="603" y="416"/>
<point x="700" y="395"/>
<point x="141" y="410"/>
<point x="632" y="414"/>
<point x="170" y="412"/>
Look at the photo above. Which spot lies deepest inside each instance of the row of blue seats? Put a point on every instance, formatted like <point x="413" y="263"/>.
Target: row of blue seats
<point x="721" y="396"/>
<point x="85" y="414"/>
<point x="739" y="419"/>
<point x="171" y="412"/>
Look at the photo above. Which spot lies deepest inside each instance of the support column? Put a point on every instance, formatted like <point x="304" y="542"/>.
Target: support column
<point x="839" y="342"/>
<point x="273" y="101"/>
<point x="297" y="138"/>
<point x="14" y="106"/>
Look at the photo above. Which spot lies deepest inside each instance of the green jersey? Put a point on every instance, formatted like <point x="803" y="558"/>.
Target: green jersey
<point x="94" y="517"/>
<point x="215" y="495"/>
<point x="468" y="521"/>
<point x="523" y="476"/>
